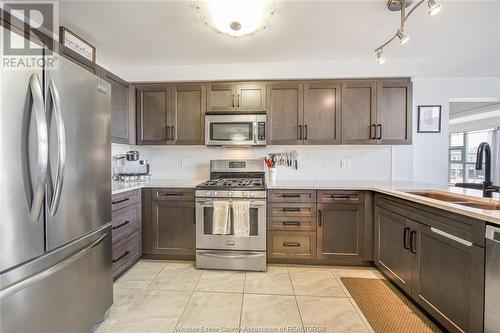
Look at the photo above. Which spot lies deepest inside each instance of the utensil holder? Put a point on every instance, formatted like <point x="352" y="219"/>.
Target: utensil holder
<point x="272" y="175"/>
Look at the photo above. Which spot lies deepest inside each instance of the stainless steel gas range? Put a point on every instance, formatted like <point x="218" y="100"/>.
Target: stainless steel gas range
<point x="231" y="181"/>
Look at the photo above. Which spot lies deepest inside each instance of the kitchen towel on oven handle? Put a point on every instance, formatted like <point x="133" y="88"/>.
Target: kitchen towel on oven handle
<point x="221" y="219"/>
<point x="241" y="218"/>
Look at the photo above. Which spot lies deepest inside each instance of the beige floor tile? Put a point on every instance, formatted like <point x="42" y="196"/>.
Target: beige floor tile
<point x="269" y="312"/>
<point x="359" y="272"/>
<point x="211" y="311"/>
<point x="123" y="299"/>
<point x="362" y="316"/>
<point x="155" y="311"/>
<point x="275" y="281"/>
<point x="221" y="281"/>
<point x="141" y="275"/>
<point x="315" y="283"/>
<point x="183" y="276"/>
<point x="105" y="326"/>
<point x="335" y="315"/>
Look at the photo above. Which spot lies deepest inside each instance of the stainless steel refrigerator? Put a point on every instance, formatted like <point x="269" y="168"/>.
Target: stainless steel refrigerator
<point x="55" y="261"/>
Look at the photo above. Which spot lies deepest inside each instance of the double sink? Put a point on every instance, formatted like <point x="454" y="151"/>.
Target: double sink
<point x="457" y="199"/>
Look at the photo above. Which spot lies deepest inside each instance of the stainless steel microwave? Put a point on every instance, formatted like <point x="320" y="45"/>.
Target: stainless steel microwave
<point x="235" y="130"/>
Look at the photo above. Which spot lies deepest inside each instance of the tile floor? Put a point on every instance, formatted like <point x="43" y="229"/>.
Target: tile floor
<point x="168" y="297"/>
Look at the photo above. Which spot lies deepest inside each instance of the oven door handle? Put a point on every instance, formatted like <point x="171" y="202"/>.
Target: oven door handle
<point x="231" y="256"/>
<point x="209" y="203"/>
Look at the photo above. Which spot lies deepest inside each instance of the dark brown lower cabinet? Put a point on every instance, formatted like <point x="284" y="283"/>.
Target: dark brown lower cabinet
<point x="169" y="224"/>
<point x="340" y="231"/>
<point x="434" y="259"/>
<point x="126" y="231"/>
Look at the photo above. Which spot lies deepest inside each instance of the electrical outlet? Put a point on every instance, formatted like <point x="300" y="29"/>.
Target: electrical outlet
<point x="345" y="163"/>
<point x="184" y="162"/>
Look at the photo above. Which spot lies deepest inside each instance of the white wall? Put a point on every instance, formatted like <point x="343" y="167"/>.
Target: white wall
<point x="430" y="151"/>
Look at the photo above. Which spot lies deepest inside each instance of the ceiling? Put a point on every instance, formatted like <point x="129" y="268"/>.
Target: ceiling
<point x="463" y="40"/>
<point x="461" y="109"/>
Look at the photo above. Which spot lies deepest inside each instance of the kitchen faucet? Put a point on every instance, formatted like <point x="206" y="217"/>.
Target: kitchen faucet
<point x="488" y="188"/>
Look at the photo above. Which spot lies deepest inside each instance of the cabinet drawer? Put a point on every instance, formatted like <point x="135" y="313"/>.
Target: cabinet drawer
<point x="126" y="252"/>
<point x="291" y="223"/>
<point x="173" y="194"/>
<point x="291" y="196"/>
<point x="291" y="245"/>
<point x="341" y="197"/>
<point x="125" y="221"/>
<point x="292" y="210"/>
<point x="125" y="199"/>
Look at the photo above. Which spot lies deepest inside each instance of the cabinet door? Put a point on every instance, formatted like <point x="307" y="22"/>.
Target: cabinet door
<point x="186" y="114"/>
<point x="394" y="105"/>
<point x="448" y="278"/>
<point x="152" y="116"/>
<point x="358" y="112"/>
<point x="392" y="244"/>
<point x="251" y="97"/>
<point x="120" y="111"/>
<point x="340" y="231"/>
<point x="173" y="228"/>
<point x="322" y="113"/>
<point x="285" y="105"/>
<point x="221" y="97"/>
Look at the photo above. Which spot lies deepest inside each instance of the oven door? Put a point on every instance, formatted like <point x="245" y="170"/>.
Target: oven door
<point x="231" y="130"/>
<point x="206" y="240"/>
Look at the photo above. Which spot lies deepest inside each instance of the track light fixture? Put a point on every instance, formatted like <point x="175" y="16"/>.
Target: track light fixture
<point x="380" y="56"/>
<point x="402" y="5"/>
<point x="434" y="7"/>
<point x="403" y="37"/>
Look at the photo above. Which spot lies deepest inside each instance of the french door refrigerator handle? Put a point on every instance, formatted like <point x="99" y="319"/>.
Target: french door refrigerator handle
<point x="35" y="200"/>
<point x="54" y="269"/>
<point x="54" y="100"/>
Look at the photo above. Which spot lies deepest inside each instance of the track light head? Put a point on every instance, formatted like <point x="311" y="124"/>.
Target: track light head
<point x="434" y="7"/>
<point x="380" y="56"/>
<point x="403" y="37"/>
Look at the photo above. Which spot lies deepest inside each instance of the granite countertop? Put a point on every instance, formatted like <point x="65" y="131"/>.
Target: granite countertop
<point x="397" y="189"/>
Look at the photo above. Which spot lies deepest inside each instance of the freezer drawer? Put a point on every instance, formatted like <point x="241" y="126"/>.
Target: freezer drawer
<point x="71" y="295"/>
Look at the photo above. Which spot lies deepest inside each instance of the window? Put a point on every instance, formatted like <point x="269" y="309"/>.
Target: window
<point x="462" y="156"/>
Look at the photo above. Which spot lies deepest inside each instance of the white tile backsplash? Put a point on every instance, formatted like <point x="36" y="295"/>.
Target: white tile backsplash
<point x="315" y="162"/>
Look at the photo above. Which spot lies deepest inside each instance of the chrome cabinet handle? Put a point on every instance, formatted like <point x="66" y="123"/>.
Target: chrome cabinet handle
<point x="413" y="241"/>
<point x="35" y="193"/>
<point x="238" y="100"/>
<point x="379" y="126"/>
<point x="450" y="236"/>
<point x="305" y="132"/>
<point x="53" y="102"/>
<point x="233" y="100"/>
<point x="373" y="132"/>
<point x="54" y="269"/>
<point x="119" y="201"/>
<point x="291" y="244"/>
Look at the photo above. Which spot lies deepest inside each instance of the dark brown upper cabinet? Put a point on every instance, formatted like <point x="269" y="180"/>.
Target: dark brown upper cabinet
<point x="187" y="110"/>
<point x="322" y="113"/>
<point x="152" y="115"/>
<point x="170" y="115"/>
<point x="376" y="111"/>
<point x="394" y="116"/>
<point x="241" y="97"/>
<point x="359" y="112"/>
<point x="122" y="115"/>
<point x="285" y="112"/>
<point x="304" y="113"/>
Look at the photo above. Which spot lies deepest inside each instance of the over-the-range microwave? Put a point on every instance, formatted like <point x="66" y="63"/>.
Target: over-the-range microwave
<point x="235" y="130"/>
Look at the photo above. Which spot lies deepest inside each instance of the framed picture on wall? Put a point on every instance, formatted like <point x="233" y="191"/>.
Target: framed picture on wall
<point x="77" y="44"/>
<point x="429" y="119"/>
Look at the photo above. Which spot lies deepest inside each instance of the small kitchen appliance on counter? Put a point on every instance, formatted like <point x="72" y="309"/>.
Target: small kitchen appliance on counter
<point x="232" y="181"/>
<point x="128" y="167"/>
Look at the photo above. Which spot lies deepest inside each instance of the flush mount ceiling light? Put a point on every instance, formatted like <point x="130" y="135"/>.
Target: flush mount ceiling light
<point x="236" y="18"/>
<point x="402" y="5"/>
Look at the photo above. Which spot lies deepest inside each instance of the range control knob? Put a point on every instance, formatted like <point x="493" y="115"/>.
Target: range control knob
<point x="229" y="193"/>
<point x="245" y="194"/>
<point x="214" y="193"/>
<point x="252" y="194"/>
